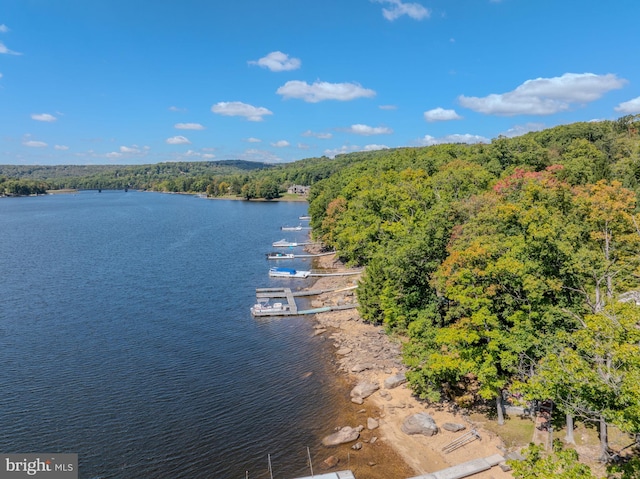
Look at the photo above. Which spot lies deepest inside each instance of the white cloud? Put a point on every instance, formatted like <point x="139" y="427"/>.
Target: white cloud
<point x="398" y="9"/>
<point x="190" y="154"/>
<point x="253" y="154"/>
<point x="254" y="140"/>
<point x="630" y="107"/>
<point x="429" y="140"/>
<point x="4" y="28"/>
<point x="545" y="96"/>
<point x="34" y="144"/>
<point x="61" y="147"/>
<point x="189" y="126"/>
<point x="339" y="151"/>
<point x="319" y="135"/>
<point x="320" y="91"/>
<point x="0" y="75"/>
<point x="388" y="107"/>
<point x="519" y="130"/>
<point x="5" y="50"/>
<point x="178" y="140"/>
<point x="126" y="149"/>
<point x="375" y="147"/>
<point x="113" y="155"/>
<point x="281" y="144"/>
<point x="369" y="130"/>
<point x="43" y="117"/>
<point x="175" y="108"/>
<point x="440" y="114"/>
<point x="278" y="62"/>
<point x="237" y="108"/>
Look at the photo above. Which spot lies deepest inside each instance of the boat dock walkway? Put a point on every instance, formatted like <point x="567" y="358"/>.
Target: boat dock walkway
<point x="268" y="293"/>
<point x="465" y="469"/>
<point x="284" y="292"/>
<point x="313" y="255"/>
<point x="344" y="273"/>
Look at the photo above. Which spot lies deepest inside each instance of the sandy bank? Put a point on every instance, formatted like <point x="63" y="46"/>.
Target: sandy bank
<point x="359" y="345"/>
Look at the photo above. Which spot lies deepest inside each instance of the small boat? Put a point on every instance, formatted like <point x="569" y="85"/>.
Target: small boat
<point x="284" y="243"/>
<point x="305" y="218"/>
<point x="265" y="309"/>
<point x="288" y="273"/>
<point x="291" y="228"/>
<point x="276" y="255"/>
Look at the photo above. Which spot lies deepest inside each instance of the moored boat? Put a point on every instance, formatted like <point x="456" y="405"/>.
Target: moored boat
<point x="284" y="243"/>
<point x="288" y="273"/>
<point x="266" y="309"/>
<point x="276" y="255"/>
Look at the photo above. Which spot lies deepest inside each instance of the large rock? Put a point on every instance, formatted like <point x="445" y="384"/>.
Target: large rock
<point x="420" y="423"/>
<point x="372" y="423"/>
<point x="453" y="427"/>
<point x="395" y="381"/>
<point x="358" y="368"/>
<point x="344" y="435"/>
<point x="364" y="390"/>
<point x="329" y="462"/>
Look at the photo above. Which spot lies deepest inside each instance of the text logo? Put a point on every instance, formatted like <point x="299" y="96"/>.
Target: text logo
<point x="39" y="466"/>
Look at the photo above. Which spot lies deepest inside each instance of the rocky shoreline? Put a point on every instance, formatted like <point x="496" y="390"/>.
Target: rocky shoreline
<point x="377" y="439"/>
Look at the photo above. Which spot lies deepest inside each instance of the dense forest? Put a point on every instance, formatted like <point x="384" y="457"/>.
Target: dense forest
<point x="236" y="178"/>
<point x="187" y="177"/>
<point x="510" y="269"/>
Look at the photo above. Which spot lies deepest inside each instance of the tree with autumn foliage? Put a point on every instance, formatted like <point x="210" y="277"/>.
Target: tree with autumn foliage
<point x="501" y="285"/>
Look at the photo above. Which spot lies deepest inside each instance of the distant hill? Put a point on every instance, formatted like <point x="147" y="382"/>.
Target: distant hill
<point x="195" y="168"/>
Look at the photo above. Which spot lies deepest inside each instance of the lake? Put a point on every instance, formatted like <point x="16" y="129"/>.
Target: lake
<point x="126" y="337"/>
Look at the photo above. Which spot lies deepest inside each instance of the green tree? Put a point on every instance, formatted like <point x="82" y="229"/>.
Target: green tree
<point x="502" y="282"/>
<point x="560" y="464"/>
<point x="596" y="375"/>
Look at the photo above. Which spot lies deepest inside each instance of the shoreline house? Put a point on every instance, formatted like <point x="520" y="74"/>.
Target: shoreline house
<point x="299" y="190"/>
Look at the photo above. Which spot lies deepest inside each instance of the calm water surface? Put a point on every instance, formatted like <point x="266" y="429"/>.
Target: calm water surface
<point x="126" y="337"/>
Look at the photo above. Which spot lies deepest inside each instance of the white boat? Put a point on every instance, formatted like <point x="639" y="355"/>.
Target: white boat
<point x="284" y="243"/>
<point x="305" y="217"/>
<point x="288" y="273"/>
<point x="276" y="255"/>
<point x="291" y="228"/>
<point x="265" y="309"/>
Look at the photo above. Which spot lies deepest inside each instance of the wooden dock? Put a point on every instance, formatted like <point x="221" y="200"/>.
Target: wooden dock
<point x="313" y="255"/>
<point x="343" y="273"/>
<point x="279" y="293"/>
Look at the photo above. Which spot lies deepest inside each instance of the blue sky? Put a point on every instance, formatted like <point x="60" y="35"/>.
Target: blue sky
<point x="142" y="81"/>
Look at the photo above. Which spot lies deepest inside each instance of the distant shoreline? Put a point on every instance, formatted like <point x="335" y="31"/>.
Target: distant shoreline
<point x="286" y="197"/>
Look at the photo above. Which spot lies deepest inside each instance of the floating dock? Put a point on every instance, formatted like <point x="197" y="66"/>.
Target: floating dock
<point x="465" y="469"/>
<point x="344" y="273"/>
<point x="332" y="475"/>
<point x="290" y="244"/>
<point x="313" y="255"/>
<point x="290" y="296"/>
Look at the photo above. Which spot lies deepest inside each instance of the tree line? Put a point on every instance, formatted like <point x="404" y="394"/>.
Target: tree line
<point x="508" y="267"/>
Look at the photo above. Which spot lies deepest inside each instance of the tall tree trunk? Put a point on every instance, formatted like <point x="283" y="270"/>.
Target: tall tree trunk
<point x="500" y="408"/>
<point x="568" y="438"/>
<point x="604" y="440"/>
